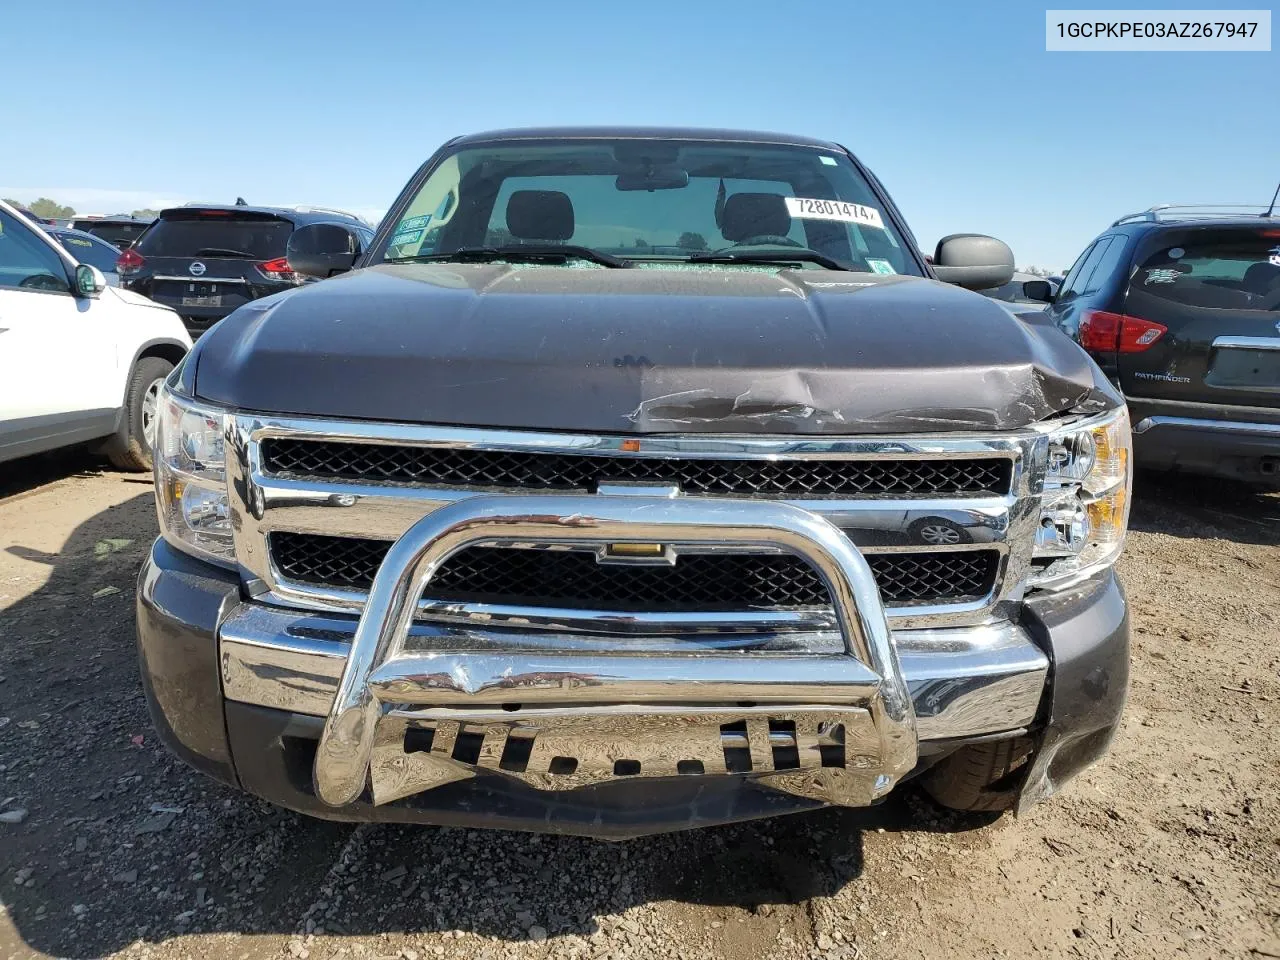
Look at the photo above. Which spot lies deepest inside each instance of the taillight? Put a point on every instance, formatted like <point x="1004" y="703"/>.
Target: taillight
<point x="129" y="262"/>
<point x="1137" y="334"/>
<point x="1105" y="332"/>
<point x="277" y="269"/>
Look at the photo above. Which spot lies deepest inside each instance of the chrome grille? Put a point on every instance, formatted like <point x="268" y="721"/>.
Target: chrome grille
<point x="530" y="470"/>
<point x="697" y="582"/>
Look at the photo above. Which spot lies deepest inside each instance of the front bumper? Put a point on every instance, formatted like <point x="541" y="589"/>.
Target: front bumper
<point x="243" y="691"/>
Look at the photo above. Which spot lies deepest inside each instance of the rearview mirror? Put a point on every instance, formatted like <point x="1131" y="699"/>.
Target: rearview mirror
<point x="90" y="281"/>
<point x="654" y="178"/>
<point x="973" y="261"/>
<point x="321" y="250"/>
<point x="1039" y="290"/>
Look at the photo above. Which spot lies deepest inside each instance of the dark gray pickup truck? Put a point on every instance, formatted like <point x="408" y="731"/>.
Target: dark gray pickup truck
<point x="635" y="480"/>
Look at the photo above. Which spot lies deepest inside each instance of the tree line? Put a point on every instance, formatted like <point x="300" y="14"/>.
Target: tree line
<point x="52" y="210"/>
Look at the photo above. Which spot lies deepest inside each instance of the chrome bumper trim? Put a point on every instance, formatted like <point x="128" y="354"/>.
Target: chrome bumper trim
<point x="1248" y="343"/>
<point x="362" y="741"/>
<point x="1217" y="426"/>
<point x="201" y="279"/>
<point x="964" y="681"/>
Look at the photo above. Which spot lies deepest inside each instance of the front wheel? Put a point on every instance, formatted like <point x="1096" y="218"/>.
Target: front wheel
<point x="132" y="449"/>
<point x="980" y="776"/>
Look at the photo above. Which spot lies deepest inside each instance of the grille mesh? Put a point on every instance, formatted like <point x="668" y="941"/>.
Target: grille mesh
<point x="342" y="460"/>
<point x="698" y="582"/>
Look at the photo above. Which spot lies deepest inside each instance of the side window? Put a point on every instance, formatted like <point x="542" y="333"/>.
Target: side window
<point x="25" y="262"/>
<point x="1074" y="273"/>
<point x="1106" y="265"/>
<point x="1083" y="270"/>
<point x="325" y="238"/>
<point x="96" y="253"/>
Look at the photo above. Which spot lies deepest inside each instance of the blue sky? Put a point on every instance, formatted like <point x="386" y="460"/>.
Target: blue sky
<point x="956" y="105"/>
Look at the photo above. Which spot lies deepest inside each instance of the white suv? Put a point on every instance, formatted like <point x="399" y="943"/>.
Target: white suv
<point x="79" y="361"/>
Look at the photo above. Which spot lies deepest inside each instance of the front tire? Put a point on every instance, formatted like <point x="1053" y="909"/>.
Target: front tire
<point x="132" y="449"/>
<point x="981" y="776"/>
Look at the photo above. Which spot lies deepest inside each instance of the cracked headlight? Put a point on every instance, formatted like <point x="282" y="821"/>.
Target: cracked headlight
<point x="1084" y="512"/>
<point x="191" y="478"/>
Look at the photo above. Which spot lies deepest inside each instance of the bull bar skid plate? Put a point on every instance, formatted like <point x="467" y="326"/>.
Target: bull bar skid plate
<point x="405" y="721"/>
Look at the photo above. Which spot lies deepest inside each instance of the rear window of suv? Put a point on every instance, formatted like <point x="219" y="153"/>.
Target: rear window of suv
<point x="121" y="234"/>
<point x="217" y="236"/>
<point x="1230" y="270"/>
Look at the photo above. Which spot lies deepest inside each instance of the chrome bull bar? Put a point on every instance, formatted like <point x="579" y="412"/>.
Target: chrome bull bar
<point x="673" y="711"/>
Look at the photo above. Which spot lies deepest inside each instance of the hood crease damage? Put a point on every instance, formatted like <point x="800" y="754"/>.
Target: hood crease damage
<point x="646" y="351"/>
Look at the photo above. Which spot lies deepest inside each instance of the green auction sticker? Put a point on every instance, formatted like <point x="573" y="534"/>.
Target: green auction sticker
<point x="881" y="266"/>
<point x="408" y="236"/>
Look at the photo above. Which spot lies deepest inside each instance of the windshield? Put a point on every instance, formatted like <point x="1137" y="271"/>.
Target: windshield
<point x="654" y="201"/>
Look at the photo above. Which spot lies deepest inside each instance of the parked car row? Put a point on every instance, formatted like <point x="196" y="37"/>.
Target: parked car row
<point x="120" y="229"/>
<point x="206" y="260"/>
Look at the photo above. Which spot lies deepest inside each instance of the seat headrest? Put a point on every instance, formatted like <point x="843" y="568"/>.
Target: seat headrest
<point x="1260" y="277"/>
<point x="540" y="215"/>
<point x="754" y="215"/>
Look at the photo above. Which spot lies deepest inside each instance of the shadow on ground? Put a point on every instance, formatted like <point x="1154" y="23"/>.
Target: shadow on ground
<point x="1194" y="507"/>
<point x="123" y="843"/>
<point x="20" y="477"/>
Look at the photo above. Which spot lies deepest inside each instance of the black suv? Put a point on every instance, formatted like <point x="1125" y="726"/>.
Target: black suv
<point x="120" y="229"/>
<point x="206" y="260"/>
<point x="1180" y="306"/>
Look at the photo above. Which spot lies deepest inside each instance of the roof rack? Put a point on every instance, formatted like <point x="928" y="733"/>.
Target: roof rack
<point x="307" y="208"/>
<point x="1195" y="211"/>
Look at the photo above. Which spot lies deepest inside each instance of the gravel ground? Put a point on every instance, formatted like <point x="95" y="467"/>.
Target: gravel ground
<point x="109" y="847"/>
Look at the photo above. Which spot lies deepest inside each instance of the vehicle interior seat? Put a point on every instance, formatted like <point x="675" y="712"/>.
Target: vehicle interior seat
<point x="1260" y="278"/>
<point x="543" y="215"/>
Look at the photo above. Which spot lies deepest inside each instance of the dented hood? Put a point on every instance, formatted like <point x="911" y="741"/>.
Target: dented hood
<point x="715" y="349"/>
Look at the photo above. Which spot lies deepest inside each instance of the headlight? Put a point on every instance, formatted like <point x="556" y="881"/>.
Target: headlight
<point x="1085" y="507"/>
<point x="191" y="479"/>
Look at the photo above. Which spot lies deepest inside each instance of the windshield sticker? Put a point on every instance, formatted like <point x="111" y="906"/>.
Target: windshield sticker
<point x="77" y="241"/>
<point x="1177" y="253"/>
<point x="414" y="223"/>
<point x="1162" y="275"/>
<point x="810" y="209"/>
<point x="406" y="236"/>
<point x="1274" y="259"/>
<point x="881" y="266"/>
<point x="829" y="161"/>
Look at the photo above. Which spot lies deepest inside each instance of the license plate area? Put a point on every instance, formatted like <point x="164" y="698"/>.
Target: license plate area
<point x="835" y="750"/>
<point x="1245" y="368"/>
<point x="201" y="295"/>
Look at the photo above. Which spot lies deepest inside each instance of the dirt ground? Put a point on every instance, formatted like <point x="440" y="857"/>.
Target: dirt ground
<point x="1168" y="848"/>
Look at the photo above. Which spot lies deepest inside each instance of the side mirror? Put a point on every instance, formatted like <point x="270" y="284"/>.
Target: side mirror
<point x="1039" y="290"/>
<point x="90" y="281"/>
<point x="321" y="250"/>
<point x="973" y="261"/>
